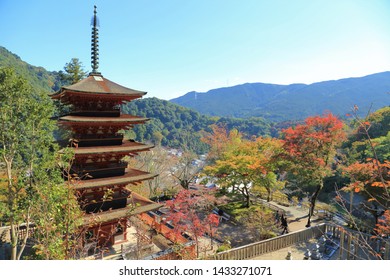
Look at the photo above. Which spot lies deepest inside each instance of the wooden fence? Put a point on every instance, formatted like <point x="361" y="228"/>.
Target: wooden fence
<point x="21" y="232"/>
<point x="359" y="245"/>
<point x="270" y="245"/>
<point x="346" y="237"/>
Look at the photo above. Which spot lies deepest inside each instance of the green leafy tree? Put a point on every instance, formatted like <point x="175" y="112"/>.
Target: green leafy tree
<point x="73" y="73"/>
<point x="269" y="181"/>
<point x="20" y="136"/>
<point x="244" y="166"/>
<point x="157" y="138"/>
<point x="57" y="215"/>
<point x="382" y="147"/>
<point x="27" y="163"/>
<point x="267" y="164"/>
<point x="259" y="221"/>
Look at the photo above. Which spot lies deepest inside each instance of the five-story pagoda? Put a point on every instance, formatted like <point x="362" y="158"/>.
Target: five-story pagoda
<point x="95" y="121"/>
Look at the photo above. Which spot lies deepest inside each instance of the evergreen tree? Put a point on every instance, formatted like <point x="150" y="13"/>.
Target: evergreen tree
<point x="74" y="72"/>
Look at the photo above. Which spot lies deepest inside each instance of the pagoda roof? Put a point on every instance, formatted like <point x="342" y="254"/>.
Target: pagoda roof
<point x="126" y="147"/>
<point x="131" y="176"/>
<point x="140" y="203"/>
<point x="99" y="120"/>
<point x="97" y="84"/>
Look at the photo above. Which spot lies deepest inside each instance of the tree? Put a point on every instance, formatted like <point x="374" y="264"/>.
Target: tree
<point x="372" y="131"/>
<point x="157" y="138"/>
<point x="157" y="161"/>
<point x="367" y="169"/>
<point x="311" y="148"/>
<point x="383" y="226"/>
<point x="185" y="171"/>
<point x="186" y="212"/>
<point x="58" y="217"/>
<point x="370" y="176"/>
<point x="267" y="164"/>
<point x="271" y="183"/>
<point x="382" y="147"/>
<point x="220" y="140"/>
<point x="22" y="138"/>
<point x="247" y="165"/>
<point x="74" y="72"/>
<point x="27" y="160"/>
<point x="259" y="221"/>
<point x="233" y="171"/>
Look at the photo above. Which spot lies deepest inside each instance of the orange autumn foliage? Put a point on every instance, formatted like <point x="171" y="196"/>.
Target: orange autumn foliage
<point x="370" y="173"/>
<point x="312" y="145"/>
<point x="383" y="226"/>
<point x="220" y="140"/>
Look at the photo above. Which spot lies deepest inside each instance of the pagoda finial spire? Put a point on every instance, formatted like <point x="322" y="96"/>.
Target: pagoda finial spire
<point x="95" y="43"/>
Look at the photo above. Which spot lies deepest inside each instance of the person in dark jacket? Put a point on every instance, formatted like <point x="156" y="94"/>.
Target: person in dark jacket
<point x="283" y="220"/>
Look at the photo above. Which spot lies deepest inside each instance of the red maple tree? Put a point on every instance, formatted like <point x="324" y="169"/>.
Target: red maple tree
<point x="311" y="147"/>
<point x="190" y="213"/>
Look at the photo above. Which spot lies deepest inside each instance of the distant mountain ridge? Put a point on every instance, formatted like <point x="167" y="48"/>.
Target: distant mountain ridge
<point x="292" y="102"/>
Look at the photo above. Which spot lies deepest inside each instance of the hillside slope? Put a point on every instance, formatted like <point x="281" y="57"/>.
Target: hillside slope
<point x="39" y="77"/>
<point x="178" y="127"/>
<point x="292" y="102"/>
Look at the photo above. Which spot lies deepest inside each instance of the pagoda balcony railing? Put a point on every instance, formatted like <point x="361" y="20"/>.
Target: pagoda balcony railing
<point x="98" y="136"/>
<point x="99" y="166"/>
<point x="112" y="204"/>
<point x="92" y="140"/>
<point x="96" y="113"/>
<point x="99" y="170"/>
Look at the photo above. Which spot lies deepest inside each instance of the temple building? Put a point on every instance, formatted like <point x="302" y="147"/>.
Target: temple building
<point x="104" y="179"/>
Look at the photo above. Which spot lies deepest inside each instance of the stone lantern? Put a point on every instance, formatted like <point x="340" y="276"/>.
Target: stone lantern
<point x="307" y="255"/>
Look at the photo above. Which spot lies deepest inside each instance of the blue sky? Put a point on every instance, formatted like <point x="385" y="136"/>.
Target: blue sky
<point x="171" y="47"/>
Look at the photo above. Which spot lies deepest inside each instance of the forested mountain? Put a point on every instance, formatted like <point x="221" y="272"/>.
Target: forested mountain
<point x="292" y="102"/>
<point x="39" y="77"/>
<point x="358" y="147"/>
<point x="178" y="127"/>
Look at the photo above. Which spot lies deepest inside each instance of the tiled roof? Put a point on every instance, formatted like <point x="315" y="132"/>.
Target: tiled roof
<point x="140" y="203"/>
<point x="122" y="118"/>
<point x="99" y="84"/>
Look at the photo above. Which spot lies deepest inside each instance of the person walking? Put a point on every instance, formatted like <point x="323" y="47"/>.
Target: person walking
<point x="284" y="224"/>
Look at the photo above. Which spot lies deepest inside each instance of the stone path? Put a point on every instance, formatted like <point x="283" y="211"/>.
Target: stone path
<point x="296" y="216"/>
<point x="239" y="236"/>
